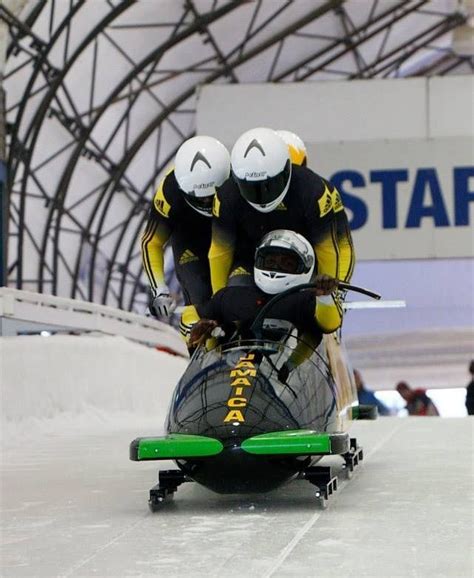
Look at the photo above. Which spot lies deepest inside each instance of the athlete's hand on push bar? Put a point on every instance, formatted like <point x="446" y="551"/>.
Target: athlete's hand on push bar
<point x="201" y="330"/>
<point x="325" y="285"/>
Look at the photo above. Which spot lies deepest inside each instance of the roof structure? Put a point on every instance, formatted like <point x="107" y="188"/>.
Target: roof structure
<point x="100" y="95"/>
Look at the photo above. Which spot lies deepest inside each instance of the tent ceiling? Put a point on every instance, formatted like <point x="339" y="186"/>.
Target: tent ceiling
<point x="101" y="94"/>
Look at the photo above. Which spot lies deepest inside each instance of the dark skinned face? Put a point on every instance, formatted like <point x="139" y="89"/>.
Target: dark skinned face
<point x="285" y="263"/>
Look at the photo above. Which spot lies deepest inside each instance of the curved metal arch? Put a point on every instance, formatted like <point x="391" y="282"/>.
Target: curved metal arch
<point x="345" y="49"/>
<point x="29" y="23"/>
<point x="112" y="182"/>
<point x="11" y="168"/>
<point x="121" y="168"/>
<point x="36" y="72"/>
<point x="458" y="61"/>
<point x="428" y="36"/>
<point x="62" y="187"/>
<point x="124" y="163"/>
<point x="134" y="149"/>
<point x="35" y="125"/>
<point x="102" y="25"/>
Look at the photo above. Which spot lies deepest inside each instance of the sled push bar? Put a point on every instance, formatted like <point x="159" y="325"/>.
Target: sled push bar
<point x="341" y="285"/>
<point x="357" y="289"/>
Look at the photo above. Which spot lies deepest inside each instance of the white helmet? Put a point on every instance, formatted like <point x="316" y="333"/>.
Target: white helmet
<point x="261" y="167"/>
<point x="202" y="163"/>
<point x="283" y="259"/>
<point x="296" y="147"/>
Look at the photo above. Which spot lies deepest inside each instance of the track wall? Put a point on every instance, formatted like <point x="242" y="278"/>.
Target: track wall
<point x="44" y="377"/>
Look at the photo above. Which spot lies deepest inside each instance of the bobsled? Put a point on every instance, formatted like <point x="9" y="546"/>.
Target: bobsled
<point x="236" y="425"/>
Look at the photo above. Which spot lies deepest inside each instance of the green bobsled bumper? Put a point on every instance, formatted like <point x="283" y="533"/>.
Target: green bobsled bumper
<point x="296" y="442"/>
<point x="174" y="446"/>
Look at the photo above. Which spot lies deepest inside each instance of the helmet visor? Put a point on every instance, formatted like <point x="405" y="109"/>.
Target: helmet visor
<point x="279" y="260"/>
<point x="265" y="191"/>
<point x="201" y="204"/>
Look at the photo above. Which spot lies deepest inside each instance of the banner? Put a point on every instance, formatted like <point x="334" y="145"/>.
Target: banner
<point x="407" y="199"/>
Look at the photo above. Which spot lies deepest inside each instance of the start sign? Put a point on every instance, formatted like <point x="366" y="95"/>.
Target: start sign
<point x="404" y="199"/>
<point x="427" y="198"/>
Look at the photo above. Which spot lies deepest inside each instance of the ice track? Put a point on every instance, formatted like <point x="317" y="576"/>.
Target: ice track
<point x="74" y="505"/>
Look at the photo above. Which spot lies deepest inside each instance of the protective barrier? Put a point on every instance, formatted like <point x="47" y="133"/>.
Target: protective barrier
<point x="29" y="312"/>
<point x="46" y="377"/>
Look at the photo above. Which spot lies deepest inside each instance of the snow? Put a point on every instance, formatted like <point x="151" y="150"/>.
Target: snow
<point x="63" y="376"/>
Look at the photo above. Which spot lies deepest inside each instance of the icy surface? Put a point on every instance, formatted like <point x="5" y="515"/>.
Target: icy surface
<point x="72" y="504"/>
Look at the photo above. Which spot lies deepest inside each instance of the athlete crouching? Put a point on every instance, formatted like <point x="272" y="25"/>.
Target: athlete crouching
<point x="181" y="215"/>
<point x="284" y="259"/>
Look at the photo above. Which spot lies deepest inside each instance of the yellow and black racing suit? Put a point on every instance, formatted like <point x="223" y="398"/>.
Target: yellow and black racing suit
<point x="172" y="219"/>
<point x="312" y="207"/>
<point x="242" y="304"/>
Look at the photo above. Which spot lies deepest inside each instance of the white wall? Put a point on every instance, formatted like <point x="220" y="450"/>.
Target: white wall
<point x="45" y="377"/>
<point x="450" y="106"/>
<point x="360" y="110"/>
